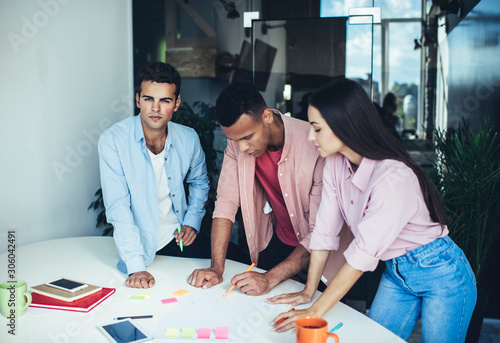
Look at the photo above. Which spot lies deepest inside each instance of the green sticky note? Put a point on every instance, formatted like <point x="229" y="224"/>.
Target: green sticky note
<point x="171" y="332"/>
<point x="188" y="332"/>
<point x="137" y="298"/>
<point x="144" y="294"/>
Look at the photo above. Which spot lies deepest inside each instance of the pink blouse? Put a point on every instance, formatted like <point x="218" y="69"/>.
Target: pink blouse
<point x="382" y="204"/>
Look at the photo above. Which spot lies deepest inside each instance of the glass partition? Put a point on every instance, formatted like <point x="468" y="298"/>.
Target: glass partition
<point x="292" y="58"/>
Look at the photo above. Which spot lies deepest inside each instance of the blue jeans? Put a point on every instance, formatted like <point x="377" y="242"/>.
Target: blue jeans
<point x="435" y="282"/>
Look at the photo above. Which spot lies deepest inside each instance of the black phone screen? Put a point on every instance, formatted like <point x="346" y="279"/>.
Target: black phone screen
<point x="68" y="284"/>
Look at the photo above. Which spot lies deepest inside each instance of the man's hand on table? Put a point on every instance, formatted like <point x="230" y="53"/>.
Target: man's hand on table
<point x="140" y="280"/>
<point x="205" y="278"/>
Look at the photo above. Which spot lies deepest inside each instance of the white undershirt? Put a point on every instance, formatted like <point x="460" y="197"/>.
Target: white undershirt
<point x="168" y="220"/>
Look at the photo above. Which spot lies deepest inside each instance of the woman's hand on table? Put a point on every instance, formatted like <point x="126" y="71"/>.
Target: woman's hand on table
<point x="286" y="320"/>
<point x="292" y="299"/>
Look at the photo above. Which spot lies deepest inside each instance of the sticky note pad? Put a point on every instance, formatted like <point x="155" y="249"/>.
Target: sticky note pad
<point x="171" y="332"/>
<point x="137" y="298"/>
<point x="180" y="293"/>
<point x="144" y="294"/>
<point x="187" y="332"/>
<point x="204" y="332"/>
<point x="222" y="332"/>
<point x="169" y="301"/>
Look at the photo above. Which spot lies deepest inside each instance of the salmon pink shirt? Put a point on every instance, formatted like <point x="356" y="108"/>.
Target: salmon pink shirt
<point x="300" y="171"/>
<point x="381" y="203"/>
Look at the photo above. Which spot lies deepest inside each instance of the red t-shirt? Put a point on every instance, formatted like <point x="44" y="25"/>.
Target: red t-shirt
<point x="266" y="169"/>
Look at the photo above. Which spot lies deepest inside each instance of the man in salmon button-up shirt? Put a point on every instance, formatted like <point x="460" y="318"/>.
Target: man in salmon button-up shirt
<point x="274" y="174"/>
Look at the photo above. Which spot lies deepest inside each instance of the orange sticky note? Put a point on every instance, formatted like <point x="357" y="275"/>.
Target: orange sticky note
<point x="180" y="293"/>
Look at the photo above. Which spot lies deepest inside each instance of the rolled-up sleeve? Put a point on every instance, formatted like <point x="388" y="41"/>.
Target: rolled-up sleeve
<point x="390" y="207"/>
<point x="329" y="220"/>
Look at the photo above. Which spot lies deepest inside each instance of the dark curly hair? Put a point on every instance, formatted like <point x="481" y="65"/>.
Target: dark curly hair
<point x="161" y="73"/>
<point x="237" y="99"/>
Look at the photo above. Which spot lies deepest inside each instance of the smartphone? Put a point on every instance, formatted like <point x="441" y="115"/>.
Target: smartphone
<point x="123" y="331"/>
<point x="67" y="285"/>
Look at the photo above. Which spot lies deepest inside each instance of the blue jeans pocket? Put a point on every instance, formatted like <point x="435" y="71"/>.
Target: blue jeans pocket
<point x="469" y="269"/>
<point x="437" y="259"/>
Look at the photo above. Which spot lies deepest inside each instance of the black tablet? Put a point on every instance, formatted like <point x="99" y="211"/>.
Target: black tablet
<point x="123" y="331"/>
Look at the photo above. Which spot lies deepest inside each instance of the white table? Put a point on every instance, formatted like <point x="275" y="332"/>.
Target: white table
<point x="93" y="260"/>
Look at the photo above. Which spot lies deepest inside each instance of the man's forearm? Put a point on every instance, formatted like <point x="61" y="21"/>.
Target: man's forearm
<point x="298" y="260"/>
<point x="221" y="233"/>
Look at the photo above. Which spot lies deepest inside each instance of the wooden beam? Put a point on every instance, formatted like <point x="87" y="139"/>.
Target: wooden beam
<point x="170" y="23"/>
<point x="197" y="18"/>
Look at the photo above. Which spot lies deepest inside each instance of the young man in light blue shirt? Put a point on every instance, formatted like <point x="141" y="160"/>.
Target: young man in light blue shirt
<point x="144" y="161"/>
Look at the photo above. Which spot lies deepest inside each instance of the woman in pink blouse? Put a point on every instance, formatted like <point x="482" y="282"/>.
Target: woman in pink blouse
<point x="396" y="215"/>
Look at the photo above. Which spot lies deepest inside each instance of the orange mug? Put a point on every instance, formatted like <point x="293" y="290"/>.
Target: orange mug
<point x="312" y="330"/>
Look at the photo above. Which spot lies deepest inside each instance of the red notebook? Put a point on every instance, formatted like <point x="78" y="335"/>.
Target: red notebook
<point x="81" y="305"/>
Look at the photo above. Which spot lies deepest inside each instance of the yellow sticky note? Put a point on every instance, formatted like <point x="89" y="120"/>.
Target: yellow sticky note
<point x="171" y="332"/>
<point x="180" y="293"/>
<point x="137" y="298"/>
<point x="144" y="294"/>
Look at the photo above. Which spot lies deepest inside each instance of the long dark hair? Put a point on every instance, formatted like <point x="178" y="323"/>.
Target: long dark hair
<point x="354" y="120"/>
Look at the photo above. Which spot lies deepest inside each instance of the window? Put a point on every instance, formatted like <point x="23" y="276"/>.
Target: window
<point x="395" y="58"/>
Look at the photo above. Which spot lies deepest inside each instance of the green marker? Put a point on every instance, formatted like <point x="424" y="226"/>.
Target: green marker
<point x="180" y="241"/>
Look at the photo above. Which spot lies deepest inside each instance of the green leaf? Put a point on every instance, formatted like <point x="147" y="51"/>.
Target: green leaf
<point x="468" y="177"/>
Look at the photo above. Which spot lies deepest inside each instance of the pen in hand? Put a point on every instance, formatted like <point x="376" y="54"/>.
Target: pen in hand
<point x="247" y="270"/>
<point x="180" y="241"/>
<point x="283" y="319"/>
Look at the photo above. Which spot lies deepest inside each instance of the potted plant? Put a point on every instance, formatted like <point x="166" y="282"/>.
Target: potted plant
<point x="204" y="124"/>
<point x="468" y="176"/>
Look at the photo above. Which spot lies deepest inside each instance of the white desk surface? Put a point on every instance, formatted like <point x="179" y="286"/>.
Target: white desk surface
<point x="93" y="260"/>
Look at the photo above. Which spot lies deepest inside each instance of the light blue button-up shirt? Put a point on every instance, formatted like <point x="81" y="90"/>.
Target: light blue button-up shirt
<point x="130" y="192"/>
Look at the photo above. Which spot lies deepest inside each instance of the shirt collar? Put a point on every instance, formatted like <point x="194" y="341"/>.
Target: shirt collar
<point x="139" y="132"/>
<point x="168" y="142"/>
<point x="362" y="176"/>
<point x="288" y="135"/>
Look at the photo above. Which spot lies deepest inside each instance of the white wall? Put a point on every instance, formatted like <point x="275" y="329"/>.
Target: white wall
<point x="65" y="75"/>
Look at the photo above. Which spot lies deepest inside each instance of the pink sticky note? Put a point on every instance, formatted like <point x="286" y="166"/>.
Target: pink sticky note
<point x="204" y="332"/>
<point x="169" y="301"/>
<point x="222" y="332"/>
